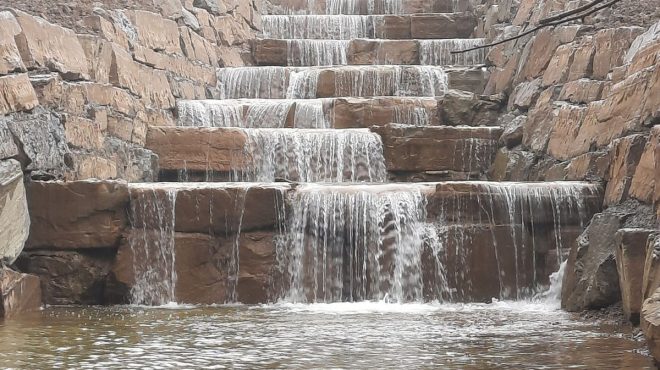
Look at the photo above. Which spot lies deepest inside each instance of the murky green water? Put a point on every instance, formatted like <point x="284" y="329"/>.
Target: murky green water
<point x="343" y="335"/>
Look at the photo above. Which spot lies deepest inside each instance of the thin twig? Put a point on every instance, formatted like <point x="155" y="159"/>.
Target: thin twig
<point x="571" y="12"/>
<point x="556" y="23"/>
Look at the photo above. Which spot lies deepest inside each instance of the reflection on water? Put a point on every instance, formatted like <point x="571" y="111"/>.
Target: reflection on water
<point x="335" y="335"/>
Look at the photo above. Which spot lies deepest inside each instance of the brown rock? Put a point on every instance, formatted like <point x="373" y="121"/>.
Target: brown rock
<point x="70" y="277"/>
<point x="151" y="85"/>
<point x="16" y="94"/>
<point x="611" y="46"/>
<point x="47" y="46"/>
<point x="626" y="154"/>
<point x="14" y="218"/>
<point x="462" y="108"/>
<point x="379" y="111"/>
<point x="413" y="149"/>
<point x="593" y="166"/>
<point x="565" y="127"/>
<point x="200" y="149"/>
<point x="19" y="293"/>
<point x="643" y="184"/>
<point x="525" y="94"/>
<point x="107" y="30"/>
<point x="99" y="53"/>
<point x="83" y="133"/>
<point x="365" y="51"/>
<point x="393" y="27"/>
<point x="630" y="257"/>
<point x="93" y="167"/>
<point x="10" y="58"/>
<point x="650" y="323"/>
<point x="582" y="65"/>
<point x="591" y="280"/>
<point x="651" y="277"/>
<point x="511" y="165"/>
<point x="441" y="26"/>
<point x="197" y="48"/>
<point x="558" y="68"/>
<point x="156" y="32"/>
<point x="76" y="215"/>
<point x="582" y="91"/>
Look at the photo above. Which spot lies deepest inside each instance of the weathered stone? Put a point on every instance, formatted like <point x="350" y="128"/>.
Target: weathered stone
<point x="543" y="48"/>
<point x="525" y="94"/>
<point x="112" y="32"/>
<point x="10" y="57"/>
<point x="70" y="277"/>
<point x="47" y="46"/>
<point x="212" y="6"/>
<point x="197" y="48"/>
<point x="379" y="111"/>
<point x="99" y="53"/>
<point x="582" y="65"/>
<point x="364" y="51"/>
<point x="14" y="217"/>
<point x="156" y="32"/>
<point x="40" y="137"/>
<point x="558" y="67"/>
<point x="16" y="94"/>
<point x="643" y="185"/>
<point x="650" y="323"/>
<point x="565" y="127"/>
<point x="413" y="149"/>
<point x="151" y="85"/>
<point x="8" y="147"/>
<point x="611" y="46"/>
<point x="513" y="130"/>
<point x="511" y="165"/>
<point x="19" y="293"/>
<point x="83" y="133"/>
<point x="198" y="149"/>
<point x="92" y="167"/>
<point x="591" y="280"/>
<point x="441" y="26"/>
<point x="462" y="108"/>
<point x="77" y="215"/>
<point x="630" y="259"/>
<point x="582" y="91"/>
<point x="650" y="36"/>
<point x="589" y="167"/>
<point x="651" y="279"/>
<point x="626" y="154"/>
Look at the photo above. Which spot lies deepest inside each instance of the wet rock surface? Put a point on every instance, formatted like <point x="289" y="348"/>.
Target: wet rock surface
<point x="19" y="293"/>
<point x="14" y="217"/>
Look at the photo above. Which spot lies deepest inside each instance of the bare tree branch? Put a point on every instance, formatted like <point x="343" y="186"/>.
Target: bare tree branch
<point x="571" y="12"/>
<point x="551" y="24"/>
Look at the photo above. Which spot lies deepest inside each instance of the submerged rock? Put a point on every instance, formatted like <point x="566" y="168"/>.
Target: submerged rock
<point x="19" y="293"/>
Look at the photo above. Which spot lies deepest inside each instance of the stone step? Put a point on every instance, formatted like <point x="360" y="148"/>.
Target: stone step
<point x="495" y="236"/>
<point x="364" y="7"/>
<point x="313" y="155"/>
<point x="305" y="52"/>
<point x="347" y="81"/>
<point x="455" y="108"/>
<point x="346" y="27"/>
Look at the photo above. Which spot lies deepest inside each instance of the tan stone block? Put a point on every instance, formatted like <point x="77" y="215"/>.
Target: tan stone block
<point x="99" y="53"/>
<point x="643" y="181"/>
<point x="582" y="91"/>
<point x="93" y="167"/>
<point x="16" y="94"/>
<point x="630" y="260"/>
<point x="611" y="46"/>
<point x="19" y="293"/>
<point x="156" y="32"/>
<point x="47" y="46"/>
<point x="107" y="30"/>
<point x="83" y="133"/>
<point x="197" y="48"/>
<point x="10" y="57"/>
<point x="558" y="68"/>
<point x="583" y="57"/>
<point x="565" y="128"/>
<point x="626" y="153"/>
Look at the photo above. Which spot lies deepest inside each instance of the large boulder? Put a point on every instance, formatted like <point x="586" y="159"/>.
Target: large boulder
<point x="19" y="293"/>
<point x="14" y="217"/>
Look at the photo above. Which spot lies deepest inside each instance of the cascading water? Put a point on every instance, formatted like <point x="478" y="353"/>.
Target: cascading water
<point x="353" y="243"/>
<point x="438" y="52"/>
<point x="523" y="220"/>
<point x="348" y="7"/>
<point x="333" y="27"/>
<point x="314" y="156"/>
<point x="317" y="52"/>
<point x="151" y="242"/>
<point x="252" y="113"/>
<point x="252" y="83"/>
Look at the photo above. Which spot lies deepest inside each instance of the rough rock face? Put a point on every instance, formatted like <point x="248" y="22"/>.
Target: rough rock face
<point x="650" y="323"/>
<point x="591" y="281"/>
<point x="19" y="293"/>
<point x="14" y="217"/>
<point x="630" y="258"/>
<point x="77" y="215"/>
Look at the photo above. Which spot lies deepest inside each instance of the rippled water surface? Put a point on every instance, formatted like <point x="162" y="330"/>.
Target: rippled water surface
<point x="341" y="335"/>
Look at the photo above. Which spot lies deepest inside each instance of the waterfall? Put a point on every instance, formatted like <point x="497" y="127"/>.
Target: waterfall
<point x="414" y="112"/>
<point x="317" y="52"/>
<point x="252" y="83"/>
<point x="523" y="219"/>
<point x="151" y="241"/>
<point x="315" y="155"/>
<point x="304" y="82"/>
<point x="353" y="243"/>
<point x="333" y="27"/>
<point x="253" y="113"/>
<point x="438" y="52"/>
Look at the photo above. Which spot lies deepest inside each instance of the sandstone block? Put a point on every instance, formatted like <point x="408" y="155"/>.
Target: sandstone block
<point x="558" y="67"/>
<point x="47" y="46"/>
<point x="19" y="293"/>
<point x="156" y="32"/>
<point x="630" y="259"/>
<point x="442" y="26"/>
<point x="643" y="182"/>
<point x="626" y="154"/>
<point x="611" y="46"/>
<point x="10" y="57"/>
<point x="14" y="217"/>
<point x="650" y="323"/>
<point x="83" y="133"/>
<point x="77" y="215"/>
<point x="16" y="94"/>
<point x="582" y="64"/>
<point x="582" y="91"/>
